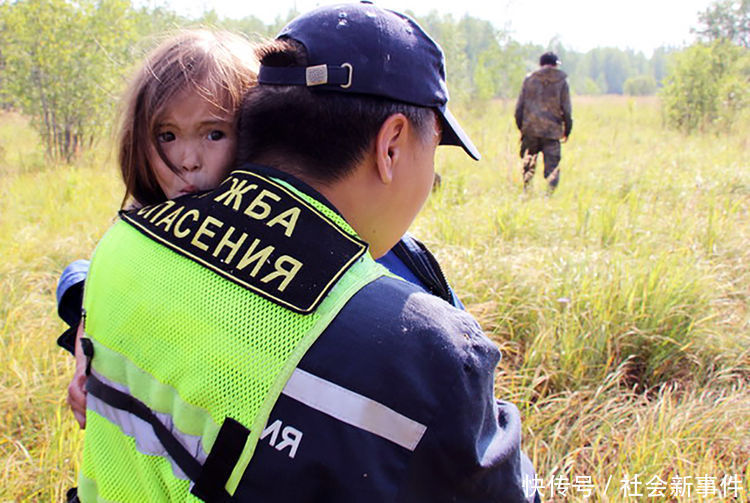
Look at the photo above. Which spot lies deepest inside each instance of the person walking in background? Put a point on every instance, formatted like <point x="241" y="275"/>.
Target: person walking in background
<point x="543" y="114"/>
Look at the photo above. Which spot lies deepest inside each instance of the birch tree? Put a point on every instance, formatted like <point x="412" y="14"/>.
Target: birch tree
<point x="63" y="66"/>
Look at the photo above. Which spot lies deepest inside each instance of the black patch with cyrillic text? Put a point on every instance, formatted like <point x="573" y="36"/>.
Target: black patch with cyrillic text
<point x="257" y="233"/>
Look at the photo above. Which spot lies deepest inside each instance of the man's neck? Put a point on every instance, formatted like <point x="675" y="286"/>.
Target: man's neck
<point x="358" y="201"/>
<point x="348" y="197"/>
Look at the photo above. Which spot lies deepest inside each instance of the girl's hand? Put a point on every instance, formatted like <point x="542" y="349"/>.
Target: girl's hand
<point x="77" y="386"/>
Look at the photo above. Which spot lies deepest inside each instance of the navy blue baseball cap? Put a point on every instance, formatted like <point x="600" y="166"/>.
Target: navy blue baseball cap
<point x="360" y="48"/>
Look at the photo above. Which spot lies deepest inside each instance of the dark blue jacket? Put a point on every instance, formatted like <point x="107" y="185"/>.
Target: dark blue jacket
<point x="394" y="351"/>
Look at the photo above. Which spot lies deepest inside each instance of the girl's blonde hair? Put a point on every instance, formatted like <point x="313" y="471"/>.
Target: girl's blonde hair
<point x="219" y="66"/>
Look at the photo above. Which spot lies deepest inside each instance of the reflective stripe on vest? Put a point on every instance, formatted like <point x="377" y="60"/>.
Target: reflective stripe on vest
<point x="217" y="354"/>
<point x="143" y="431"/>
<point x="324" y="396"/>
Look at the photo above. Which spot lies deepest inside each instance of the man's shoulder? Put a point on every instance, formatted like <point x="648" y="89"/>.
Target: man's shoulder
<point x="393" y="324"/>
<point x="547" y="73"/>
<point x="404" y="348"/>
<point x="399" y="305"/>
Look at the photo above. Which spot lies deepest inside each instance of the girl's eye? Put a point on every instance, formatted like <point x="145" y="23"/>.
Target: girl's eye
<point x="216" y="135"/>
<point x="165" y="137"/>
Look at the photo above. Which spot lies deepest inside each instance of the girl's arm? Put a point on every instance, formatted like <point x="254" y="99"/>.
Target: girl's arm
<point x="69" y="308"/>
<point x="77" y="386"/>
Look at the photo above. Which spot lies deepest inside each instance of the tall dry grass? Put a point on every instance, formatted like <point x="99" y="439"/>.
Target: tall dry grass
<point x="48" y="216"/>
<point x="620" y="302"/>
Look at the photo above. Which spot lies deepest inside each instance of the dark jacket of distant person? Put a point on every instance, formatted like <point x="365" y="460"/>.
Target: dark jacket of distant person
<point x="543" y="108"/>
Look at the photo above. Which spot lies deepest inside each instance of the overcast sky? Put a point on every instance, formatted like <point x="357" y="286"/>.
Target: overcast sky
<point x="581" y="24"/>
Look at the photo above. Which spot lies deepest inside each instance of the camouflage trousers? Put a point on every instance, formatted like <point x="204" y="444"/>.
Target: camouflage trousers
<point x="531" y="146"/>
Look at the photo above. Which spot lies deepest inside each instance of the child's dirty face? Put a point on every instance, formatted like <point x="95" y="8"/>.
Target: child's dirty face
<point x="197" y="138"/>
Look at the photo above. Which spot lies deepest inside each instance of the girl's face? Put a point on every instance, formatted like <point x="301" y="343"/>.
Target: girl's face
<point x="199" y="139"/>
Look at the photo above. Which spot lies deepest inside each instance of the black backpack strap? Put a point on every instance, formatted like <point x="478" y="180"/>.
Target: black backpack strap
<point x="423" y="264"/>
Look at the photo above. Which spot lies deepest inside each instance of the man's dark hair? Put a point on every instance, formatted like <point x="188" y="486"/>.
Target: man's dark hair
<point x="322" y="133"/>
<point x="549" y="58"/>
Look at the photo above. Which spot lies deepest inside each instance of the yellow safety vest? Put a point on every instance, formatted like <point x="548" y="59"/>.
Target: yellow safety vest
<point x="199" y="309"/>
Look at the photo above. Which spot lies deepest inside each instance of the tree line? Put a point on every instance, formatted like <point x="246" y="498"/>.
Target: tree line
<point x="488" y="63"/>
<point x="64" y="63"/>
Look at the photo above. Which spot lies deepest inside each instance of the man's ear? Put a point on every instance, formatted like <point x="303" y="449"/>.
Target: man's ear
<point x="389" y="145"/>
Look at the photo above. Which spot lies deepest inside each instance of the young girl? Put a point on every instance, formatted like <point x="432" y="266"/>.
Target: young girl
<point x="177" y="136"/>
<point x="178" y="132"/>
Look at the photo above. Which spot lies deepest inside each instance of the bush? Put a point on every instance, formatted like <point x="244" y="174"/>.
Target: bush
<point x="587" y="87"/>
<point x="643" y="85"/>
<point x="707" y="87"/>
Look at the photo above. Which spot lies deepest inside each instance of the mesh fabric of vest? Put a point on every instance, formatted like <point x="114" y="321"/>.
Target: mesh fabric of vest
<point x="213" y="344"/>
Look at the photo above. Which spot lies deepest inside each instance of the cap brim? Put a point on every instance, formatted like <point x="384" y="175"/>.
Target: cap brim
<point x="453" y="134"/>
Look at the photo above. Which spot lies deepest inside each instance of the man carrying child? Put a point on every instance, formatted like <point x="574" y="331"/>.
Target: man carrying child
<point x="244" y="344"/>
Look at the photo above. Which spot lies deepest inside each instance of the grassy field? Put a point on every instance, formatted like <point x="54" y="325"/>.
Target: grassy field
<point x="621" y="302"/>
